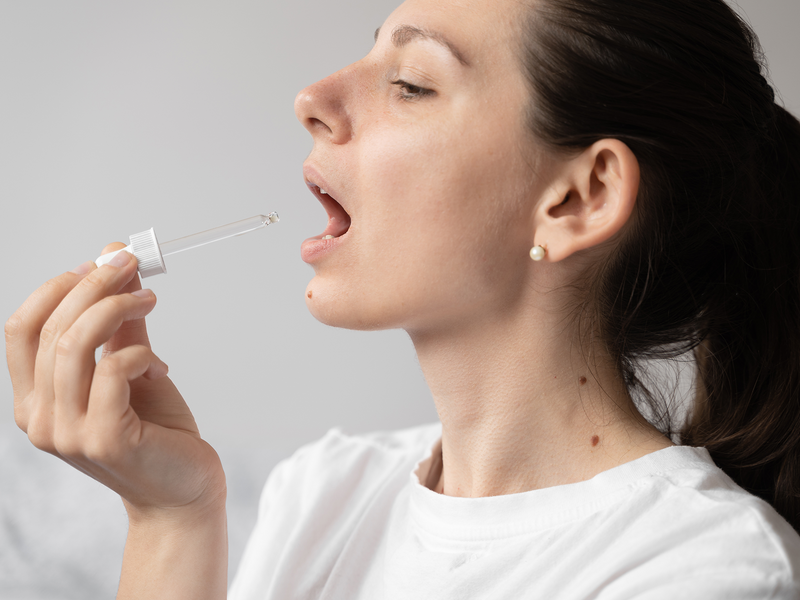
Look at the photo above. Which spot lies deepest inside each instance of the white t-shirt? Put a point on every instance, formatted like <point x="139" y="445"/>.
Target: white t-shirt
<point x="346" y="518"/>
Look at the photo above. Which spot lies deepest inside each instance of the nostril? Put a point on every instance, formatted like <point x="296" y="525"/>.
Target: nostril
<point x="314" y="123"/>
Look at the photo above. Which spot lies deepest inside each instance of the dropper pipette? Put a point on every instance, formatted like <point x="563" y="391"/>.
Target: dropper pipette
<point x="150" y="254"/>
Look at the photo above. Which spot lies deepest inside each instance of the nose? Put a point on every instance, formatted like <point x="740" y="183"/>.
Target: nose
<point x="322" y="108"/>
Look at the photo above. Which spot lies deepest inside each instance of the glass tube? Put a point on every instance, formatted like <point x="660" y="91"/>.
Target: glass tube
<point x="218" y="233"/>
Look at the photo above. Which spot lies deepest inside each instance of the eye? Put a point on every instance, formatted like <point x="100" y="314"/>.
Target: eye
<point x="408" y="91"/>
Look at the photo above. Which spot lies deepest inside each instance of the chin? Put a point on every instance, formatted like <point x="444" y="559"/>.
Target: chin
<point x="339" y="309"/>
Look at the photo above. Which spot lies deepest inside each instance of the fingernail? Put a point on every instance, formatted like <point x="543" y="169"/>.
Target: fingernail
<point x="159" y="369"/>
<point x="145" y="293"/>
<point x="121" y="259"/>
<point x="83" y="269"/>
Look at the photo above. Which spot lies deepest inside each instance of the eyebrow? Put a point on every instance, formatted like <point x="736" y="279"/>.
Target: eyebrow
<point x="403" y="34"/>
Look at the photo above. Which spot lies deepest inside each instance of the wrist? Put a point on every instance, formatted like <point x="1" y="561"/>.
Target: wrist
<point x="208" y="508"/>
<point x="176" y="553"/>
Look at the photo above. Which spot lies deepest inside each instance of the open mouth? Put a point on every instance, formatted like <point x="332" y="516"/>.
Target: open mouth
<point x="338" y="219"/>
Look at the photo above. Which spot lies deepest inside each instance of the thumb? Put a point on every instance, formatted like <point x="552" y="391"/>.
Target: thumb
<point x="130" y="333"/>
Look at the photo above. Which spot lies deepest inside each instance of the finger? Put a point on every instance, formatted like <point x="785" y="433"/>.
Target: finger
<point x="74" y="365"/>
<point x="113" y="247"/>
<point x="101" y="438"/>
<point x="99" y="283"/>
<point x="131" y="332"/>
<point x="109" y="398"/>
<point x="23" y="329"/>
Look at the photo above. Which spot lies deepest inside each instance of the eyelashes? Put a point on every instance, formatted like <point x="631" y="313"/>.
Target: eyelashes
<point x="408" y="91"/>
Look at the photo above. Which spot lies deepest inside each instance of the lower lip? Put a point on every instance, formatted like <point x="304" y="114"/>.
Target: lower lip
<point x="314" y="249"/>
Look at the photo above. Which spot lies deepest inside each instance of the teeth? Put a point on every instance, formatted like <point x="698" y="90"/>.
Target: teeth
<point x="328" y="237"/>
<point x="321" y="191"/>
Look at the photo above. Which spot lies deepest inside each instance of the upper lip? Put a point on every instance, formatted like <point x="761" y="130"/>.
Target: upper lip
<point x="314" y="178"/>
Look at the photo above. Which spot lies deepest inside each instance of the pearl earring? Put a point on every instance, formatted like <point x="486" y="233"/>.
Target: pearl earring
<point x="538" y="252"/>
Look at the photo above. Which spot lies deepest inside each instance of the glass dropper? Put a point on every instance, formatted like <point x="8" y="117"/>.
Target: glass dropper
<point x="218" y="233"/>
<point x="150" y="254"/>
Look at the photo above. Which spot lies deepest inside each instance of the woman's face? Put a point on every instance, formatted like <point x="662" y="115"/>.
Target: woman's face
<point x="423" y="143"/>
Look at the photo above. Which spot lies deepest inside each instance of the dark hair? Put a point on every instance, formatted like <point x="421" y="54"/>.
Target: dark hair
<point x="711" y="260"/>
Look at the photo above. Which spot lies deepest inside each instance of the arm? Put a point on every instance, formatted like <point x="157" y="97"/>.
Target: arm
<point x="176" y="555"/>
<point x="122" y="422"/>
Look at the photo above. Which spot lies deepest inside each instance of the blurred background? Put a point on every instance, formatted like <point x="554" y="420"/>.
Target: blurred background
<point x="120" y="116"/>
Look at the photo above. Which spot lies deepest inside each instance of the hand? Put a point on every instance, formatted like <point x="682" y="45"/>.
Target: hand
<point x="120" y="420"/>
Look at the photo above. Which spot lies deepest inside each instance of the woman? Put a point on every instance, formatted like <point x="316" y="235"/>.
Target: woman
<point x="541" y="195"/>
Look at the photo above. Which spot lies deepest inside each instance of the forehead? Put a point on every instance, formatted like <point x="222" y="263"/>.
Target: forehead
<point x="486" y="32"/>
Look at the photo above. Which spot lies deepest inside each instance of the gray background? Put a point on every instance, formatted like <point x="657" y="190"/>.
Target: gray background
<point x="119" y="116"/>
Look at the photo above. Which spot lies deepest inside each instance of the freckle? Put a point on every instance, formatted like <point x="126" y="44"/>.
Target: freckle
<point x="595" y="440"/>
<point x="582" y="380"/>
<point x="309" y="294"/>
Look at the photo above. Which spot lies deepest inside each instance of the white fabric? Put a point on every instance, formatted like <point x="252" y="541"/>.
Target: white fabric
<point x="346" y="518"/>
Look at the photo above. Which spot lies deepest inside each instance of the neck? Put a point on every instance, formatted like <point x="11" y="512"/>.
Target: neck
<point x="521" y="410"/>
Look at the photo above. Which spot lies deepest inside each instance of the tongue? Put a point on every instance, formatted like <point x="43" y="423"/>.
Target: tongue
<point x="338" y="219"/>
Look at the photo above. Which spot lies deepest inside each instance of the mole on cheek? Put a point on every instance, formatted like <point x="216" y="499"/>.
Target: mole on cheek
<point x="582" y="380"/>
<point x="310" y="293"/>
<point x="595" y="440"/>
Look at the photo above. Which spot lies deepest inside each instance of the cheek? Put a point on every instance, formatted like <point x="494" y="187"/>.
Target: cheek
<point x="449" y="179"/>
<point x="451" y="214"/>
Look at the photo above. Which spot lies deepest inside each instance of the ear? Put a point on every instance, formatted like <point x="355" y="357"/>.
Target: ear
<point x="590" y="200"/>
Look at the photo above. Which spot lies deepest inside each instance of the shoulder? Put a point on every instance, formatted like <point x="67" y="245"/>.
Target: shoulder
<point x="347" y="470"/>
<point x="338" y="454"/>
<point x="710" y="501"/>
<point x="378" y="444"/>
<point x="314" y="500"/>
<point x="692" y="521"/>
